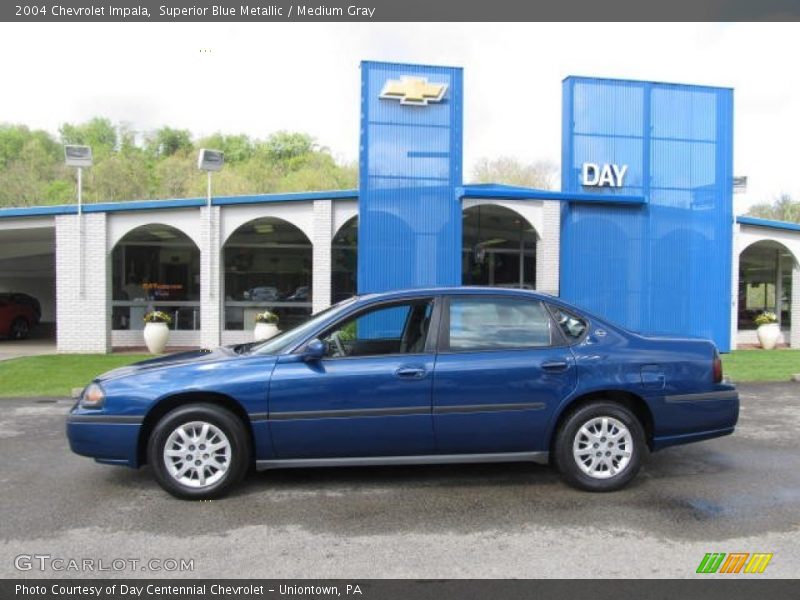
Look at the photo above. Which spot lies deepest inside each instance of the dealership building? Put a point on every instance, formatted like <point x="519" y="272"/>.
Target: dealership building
<point x="642" y="231"/>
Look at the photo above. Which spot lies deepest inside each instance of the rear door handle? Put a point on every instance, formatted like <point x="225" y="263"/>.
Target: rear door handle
<point x="555" y="365"/>
<point x="410" y="373"/>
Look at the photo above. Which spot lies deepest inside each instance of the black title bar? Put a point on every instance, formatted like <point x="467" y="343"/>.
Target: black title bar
<point x="396" y="10"/>
<point x="713" y="588"/>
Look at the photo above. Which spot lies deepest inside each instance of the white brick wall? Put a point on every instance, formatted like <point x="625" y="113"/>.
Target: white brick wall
<point x="210" y="277"/>
<point x="322" y="235"/>
<point x="84" y="320"/>
<point x="794" y="336"/>
<point x="735" y="337"/>
<point x="548" y="249"/>
<point x="83" y="310"/>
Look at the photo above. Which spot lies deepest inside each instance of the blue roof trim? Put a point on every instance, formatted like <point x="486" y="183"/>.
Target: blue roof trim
<point x="38" y="211"/>
<point x="472" y="190"/>
<point x="510" y="192"/>
<point x="287" y="197"/>
<point x="143" y="205"/>
<point x="758" y="222"/>
<point x="133" y="205"/>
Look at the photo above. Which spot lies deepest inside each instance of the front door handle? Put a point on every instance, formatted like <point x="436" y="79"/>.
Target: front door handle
<point x="410" y="373"/>
<point x="555" y="366"/>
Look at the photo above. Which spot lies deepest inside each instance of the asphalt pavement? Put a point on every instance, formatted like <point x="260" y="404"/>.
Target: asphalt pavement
<point x="740" y="493"/>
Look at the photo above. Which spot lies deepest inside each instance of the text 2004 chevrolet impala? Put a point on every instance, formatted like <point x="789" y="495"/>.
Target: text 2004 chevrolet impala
<point x="411" y="377"/>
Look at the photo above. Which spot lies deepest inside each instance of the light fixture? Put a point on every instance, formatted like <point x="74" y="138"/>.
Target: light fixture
<point x="78" y="156"/>
<point x="210" y="160"/>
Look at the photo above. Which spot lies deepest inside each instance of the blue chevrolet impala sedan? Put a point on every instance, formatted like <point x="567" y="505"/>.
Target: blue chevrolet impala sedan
<point x="444" y="375"/>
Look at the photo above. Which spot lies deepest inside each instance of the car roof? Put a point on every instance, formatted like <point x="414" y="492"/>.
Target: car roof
<point x="461" y="290"/>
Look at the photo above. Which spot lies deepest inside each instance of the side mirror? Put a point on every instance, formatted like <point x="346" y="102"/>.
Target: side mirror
<point x="315" y="350"/>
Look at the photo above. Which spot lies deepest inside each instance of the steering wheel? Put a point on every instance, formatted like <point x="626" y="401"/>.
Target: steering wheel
<point x="338" y="342"/>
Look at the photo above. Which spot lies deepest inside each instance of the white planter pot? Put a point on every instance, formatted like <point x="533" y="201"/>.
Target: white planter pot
<point x="155" y="336"/>
<point x="768" y="335"/>
<point x="264" y="331"/>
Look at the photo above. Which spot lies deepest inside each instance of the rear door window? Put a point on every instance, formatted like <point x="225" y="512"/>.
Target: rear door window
<point x="493" y="323"/>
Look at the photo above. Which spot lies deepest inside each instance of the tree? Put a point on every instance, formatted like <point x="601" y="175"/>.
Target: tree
<point x="167" y="142"/>
<point x="540" y="174"/>
<point x="783" y="208"/>
<point x="98" y="133"/>
<point x="158" y="164"/>
<point x="284" y="146"/>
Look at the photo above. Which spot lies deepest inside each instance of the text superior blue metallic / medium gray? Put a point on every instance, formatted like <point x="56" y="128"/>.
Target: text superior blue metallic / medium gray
<point x="440" y="375"/>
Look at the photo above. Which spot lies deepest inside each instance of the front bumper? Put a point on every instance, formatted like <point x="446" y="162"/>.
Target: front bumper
<point x="106" y="438"/>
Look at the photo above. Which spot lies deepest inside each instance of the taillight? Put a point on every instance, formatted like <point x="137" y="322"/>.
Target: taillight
<point x="717" y="368"/>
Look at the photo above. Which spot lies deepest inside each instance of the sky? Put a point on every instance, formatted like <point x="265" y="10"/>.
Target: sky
<point x="257" y="78"/>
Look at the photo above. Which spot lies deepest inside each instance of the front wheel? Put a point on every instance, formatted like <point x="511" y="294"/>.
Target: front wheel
<point x="600" y="447"/>
<point x="19" y="329"/>
<point x="199" y="451"/>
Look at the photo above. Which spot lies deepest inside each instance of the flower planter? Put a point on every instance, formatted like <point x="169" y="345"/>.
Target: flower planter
<point x="768" y="335"/>
<point x="155" y="337"/>
<point x="264" y="331"/>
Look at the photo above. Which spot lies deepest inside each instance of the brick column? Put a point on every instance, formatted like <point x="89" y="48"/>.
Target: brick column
<point x="735" y="288"/>
<point x="548" y="248"/>
<point x="794" y="335"/>
<point x="83" y="290"/>
<point x="321" y="242"/>
<point x="211" y="302"/>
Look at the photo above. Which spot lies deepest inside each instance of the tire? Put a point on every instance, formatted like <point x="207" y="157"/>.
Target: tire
<point x="213" y="437"/>
<point x="620" y="443"/>
<point x="19" y="330"/>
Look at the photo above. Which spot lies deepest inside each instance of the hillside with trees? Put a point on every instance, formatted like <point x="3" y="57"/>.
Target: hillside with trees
<point x="782" y="209"/>
<point x="157" y="165"/>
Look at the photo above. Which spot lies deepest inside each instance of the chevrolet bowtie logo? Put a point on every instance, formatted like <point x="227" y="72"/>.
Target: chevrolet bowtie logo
<point x="415" y="91"/>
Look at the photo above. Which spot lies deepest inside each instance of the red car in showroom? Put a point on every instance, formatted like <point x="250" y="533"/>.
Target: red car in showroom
<point x="19" y="313"/>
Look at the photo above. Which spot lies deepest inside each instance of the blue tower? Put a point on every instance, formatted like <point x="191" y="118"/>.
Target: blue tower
<point x="409" y="230"/>
<point x="664" y="266"/>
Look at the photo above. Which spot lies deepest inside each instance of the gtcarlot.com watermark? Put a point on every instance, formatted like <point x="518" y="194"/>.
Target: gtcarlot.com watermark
<point x="48" y="562"/>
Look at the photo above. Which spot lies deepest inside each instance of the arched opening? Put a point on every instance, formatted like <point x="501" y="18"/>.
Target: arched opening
<point x="268" y="263"/>
<point x="155" y="267"/>
<point x="499" y="248"/>
<point x="344" y="261"/>
<point x="765" y="283"/>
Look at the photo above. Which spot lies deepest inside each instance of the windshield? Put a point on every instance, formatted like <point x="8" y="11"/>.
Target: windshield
<point x="287" y="339"/>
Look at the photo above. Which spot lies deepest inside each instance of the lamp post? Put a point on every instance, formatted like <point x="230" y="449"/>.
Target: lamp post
<point x="210" y="161"/>
<point x="79" y="157"/>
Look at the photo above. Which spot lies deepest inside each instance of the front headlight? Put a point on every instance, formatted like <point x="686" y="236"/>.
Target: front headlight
<point x="93" y="396"/>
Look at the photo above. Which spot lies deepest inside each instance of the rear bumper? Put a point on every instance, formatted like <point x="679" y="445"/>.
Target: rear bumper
<point x="687" y="438"/>
<point x="107" y="439"/>
<point x="688" y="418"/>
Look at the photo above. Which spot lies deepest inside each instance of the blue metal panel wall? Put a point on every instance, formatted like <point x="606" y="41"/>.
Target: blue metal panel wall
<point x="664" y="267"/>
<point x="409" y="230"/>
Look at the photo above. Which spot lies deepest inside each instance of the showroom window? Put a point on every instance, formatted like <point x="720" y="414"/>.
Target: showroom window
<point x="765" y="283"/>
<point x="499" y="248"/>
<point x="498" y="323"/>
<point x="344" y="261"/>
<point x="155" y="267"/>
<point x="268" y="265"/>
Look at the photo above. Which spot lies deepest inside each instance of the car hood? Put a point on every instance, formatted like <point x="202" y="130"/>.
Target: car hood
<point x="203" y="355"/>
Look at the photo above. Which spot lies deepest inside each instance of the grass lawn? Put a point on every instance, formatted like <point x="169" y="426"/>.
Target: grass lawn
<point x="56" y="374"/>
<point x="761" y="365"/>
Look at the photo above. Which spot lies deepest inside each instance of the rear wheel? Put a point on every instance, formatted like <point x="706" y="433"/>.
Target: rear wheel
<point x="600" y="447"/>
<point x="199" y="451"/>
<point x="19" y="330"/>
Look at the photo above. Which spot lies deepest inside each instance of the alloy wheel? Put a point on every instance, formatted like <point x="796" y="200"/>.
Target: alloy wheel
<point x="197" y="454"/>
<point x="603" y="447"/>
